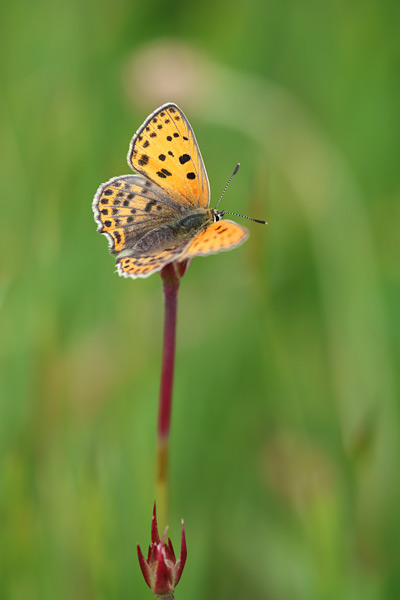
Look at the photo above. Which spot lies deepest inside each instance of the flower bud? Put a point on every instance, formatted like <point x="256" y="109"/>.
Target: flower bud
<point x="162" y="571"/>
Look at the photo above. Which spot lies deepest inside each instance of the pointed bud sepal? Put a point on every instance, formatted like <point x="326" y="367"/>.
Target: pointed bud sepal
<point x="161" y="570"/>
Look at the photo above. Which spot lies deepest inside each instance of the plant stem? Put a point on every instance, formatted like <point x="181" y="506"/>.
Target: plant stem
<point x="170" y="280"/>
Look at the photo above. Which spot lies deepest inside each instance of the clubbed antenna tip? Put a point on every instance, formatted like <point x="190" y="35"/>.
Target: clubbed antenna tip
<point x="226" y="187"/>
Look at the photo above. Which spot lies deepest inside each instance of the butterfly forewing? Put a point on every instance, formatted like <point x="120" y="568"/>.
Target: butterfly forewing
<point x="129" y="206"/>
<point x="165" y="150"/>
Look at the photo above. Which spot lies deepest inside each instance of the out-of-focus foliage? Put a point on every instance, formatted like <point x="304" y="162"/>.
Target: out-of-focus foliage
<point x="285" y="448"/>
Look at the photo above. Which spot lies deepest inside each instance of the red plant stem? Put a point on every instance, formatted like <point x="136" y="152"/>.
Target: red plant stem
<point x="170" y="280"/>
<point x="170" y="289"/>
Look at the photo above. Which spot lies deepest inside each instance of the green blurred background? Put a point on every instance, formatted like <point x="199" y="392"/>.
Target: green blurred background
<point x="285" y="456"/>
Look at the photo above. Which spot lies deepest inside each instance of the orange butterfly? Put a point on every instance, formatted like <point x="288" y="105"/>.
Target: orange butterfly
<point x="162" y="215"/>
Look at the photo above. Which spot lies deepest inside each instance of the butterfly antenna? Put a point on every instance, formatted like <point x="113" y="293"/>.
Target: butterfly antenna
<point x="243" y="217"/>
<point x="226" y="187"/>
<point x="236" y="214"/>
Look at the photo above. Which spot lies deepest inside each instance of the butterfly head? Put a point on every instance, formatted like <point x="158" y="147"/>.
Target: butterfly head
<point x="219" y="214"/>
<point x="216" y="215"/>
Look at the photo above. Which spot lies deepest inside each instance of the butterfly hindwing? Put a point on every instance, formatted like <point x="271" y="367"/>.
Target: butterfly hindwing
<point x="143" y="266"/>
<point x="222" y="235"/>
<point x="165" y="150"/>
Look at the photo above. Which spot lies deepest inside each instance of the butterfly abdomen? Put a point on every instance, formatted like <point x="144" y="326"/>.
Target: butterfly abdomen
<point x="178" y="231"/>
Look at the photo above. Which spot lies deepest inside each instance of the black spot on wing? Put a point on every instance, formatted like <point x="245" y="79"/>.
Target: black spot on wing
<point x="143" y="160"/>
<point x="184" y="158"/>
<point x="150" y="205"/>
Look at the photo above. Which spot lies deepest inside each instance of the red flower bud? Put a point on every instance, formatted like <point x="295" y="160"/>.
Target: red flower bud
<point x="161" y="570"/>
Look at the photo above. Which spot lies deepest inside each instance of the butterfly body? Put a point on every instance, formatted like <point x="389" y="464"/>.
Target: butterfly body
<point x="162" y="214"/>
<point x="175" y="232"/>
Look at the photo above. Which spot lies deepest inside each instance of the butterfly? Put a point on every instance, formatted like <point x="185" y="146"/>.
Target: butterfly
<point x="161" y="214"/>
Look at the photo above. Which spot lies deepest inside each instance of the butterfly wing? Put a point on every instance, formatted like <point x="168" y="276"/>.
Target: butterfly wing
<point x="143" y="266"/>
<point x="219" y="236"/>
<point x="165" y="150"/>
<point x="222" y="235"/>
<point x="129" y="206"/>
